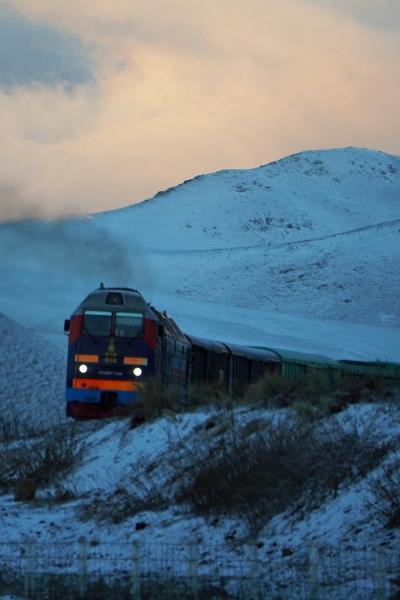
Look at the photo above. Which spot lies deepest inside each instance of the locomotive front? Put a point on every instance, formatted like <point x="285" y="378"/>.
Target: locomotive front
<point x="111" y="348"/>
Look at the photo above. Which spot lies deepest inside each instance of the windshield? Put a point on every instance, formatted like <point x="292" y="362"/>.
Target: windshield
<point x="97" y="322"/>
<point x="128" y="324"/>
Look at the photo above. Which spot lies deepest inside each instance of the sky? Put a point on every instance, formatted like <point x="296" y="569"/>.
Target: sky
<point x="102" y="104"/>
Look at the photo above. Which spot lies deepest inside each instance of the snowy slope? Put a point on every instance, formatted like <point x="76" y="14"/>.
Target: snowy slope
<point x="308" y="195"/>
<point x="117" y="460"/>
<point x="32" y="373"/>
<point x="315" y="234"/>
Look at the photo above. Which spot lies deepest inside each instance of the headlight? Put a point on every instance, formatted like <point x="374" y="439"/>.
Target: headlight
<point x="82" y="368"/>
<point x="137" y="371"/>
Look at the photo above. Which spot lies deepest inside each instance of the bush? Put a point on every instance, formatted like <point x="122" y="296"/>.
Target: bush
<point x="315" y="394"/>
<point x="126" y="501"/>
<point x="274" y="390"/>
<point x="344" y="454"/>
<point x="40" y="461"/>
<point x="260" y="473"/>
<point x="385" y="495"/>
<point x="156" y="398"/>
<point x="12" y="429"/>
<point x="271" y="391"/>
<point x="207" y="393"/>
<point x="289" y="464"/>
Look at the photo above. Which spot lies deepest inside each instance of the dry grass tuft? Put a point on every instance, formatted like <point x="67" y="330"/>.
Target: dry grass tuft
<point x="272" y="468"/>
<point x="39" y="461"/>
<point x="385" y="495"/>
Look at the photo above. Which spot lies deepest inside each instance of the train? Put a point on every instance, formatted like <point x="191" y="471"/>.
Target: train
<point x="117" y="341"/>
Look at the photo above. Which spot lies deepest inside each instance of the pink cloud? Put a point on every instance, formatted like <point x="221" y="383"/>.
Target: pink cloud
<point x="201" y="87"/>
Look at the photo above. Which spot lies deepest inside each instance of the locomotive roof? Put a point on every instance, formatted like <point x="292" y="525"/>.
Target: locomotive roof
<point x="117" y="299"/>
<point x="245" y="351"/>
<point x="254" y="353"/>
<point x="208" y="344"/>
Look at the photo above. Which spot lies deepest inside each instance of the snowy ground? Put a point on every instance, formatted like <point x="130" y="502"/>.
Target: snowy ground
<point x="344" y="527"/>
<point x="32" y="373"/>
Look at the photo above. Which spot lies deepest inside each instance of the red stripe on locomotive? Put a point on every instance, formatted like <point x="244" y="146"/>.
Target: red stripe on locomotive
<point x="75" y="328"/>
<point x="150" y="332"/>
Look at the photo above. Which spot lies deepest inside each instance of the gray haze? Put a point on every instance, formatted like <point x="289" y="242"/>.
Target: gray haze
<point x="15" y="206"/>
<point x="86" y="249"/>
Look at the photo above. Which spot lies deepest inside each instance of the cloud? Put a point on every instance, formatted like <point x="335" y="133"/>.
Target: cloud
<point x="183" y="88"/>
<point x="13" y="205"/>
<point x="383" y="14"/>
<point x="33" y="52"/>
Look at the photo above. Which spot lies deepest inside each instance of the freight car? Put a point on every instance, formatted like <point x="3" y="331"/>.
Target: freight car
<point x="233" y="367"/>
<point x="117" y="341"/>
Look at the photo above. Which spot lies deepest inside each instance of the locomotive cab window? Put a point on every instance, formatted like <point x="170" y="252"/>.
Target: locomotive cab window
<point x="97" y="322"/>
<point x="114" y="298"/>
<point x="128" y="324"/>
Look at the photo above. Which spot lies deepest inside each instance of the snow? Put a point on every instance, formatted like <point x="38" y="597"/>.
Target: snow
<point x="343" y="528"/>
<point x="32" y="373"/>
<point x="301" y="254"/>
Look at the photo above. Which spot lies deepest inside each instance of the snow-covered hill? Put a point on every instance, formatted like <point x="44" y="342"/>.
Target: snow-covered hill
<point x="274" y="255"/>
<point x="305" y="196"/>
<point x="315" y="234"/>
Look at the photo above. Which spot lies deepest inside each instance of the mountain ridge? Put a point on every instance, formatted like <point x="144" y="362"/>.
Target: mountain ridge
<point x="297" y="156"/>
